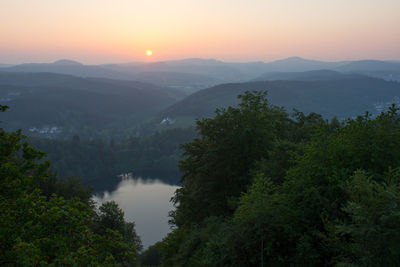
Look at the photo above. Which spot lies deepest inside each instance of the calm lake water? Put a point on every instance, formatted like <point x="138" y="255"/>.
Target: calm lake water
<point x="145" y="202"/>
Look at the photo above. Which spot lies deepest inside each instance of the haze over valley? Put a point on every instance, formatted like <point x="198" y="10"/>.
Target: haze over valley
<point x="160" y="101"/>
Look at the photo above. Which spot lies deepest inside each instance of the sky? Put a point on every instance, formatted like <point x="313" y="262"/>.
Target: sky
<point x="105" y="31"/>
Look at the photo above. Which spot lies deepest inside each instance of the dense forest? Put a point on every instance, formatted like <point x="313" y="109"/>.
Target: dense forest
<point x="98" y="162"/>
<point x="262" y="187"/>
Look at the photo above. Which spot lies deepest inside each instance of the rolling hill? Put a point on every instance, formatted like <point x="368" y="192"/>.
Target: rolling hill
<point x="186" y="75"/>
<point x="380" y="69"/>
<point x="193" y="74"/>
<point x="313" y="75"/>
<point x="346" y="97"/>
<point x="62" y="105"/>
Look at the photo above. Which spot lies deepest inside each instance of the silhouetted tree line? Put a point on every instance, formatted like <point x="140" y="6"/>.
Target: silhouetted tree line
<point x="98" y="162"/>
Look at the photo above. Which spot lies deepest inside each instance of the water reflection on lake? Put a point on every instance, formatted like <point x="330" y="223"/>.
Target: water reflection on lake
<point x="146" y="202"/>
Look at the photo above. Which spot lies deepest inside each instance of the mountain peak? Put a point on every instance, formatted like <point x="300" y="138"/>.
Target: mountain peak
<point x="66" y="62"/>
<point x="294" y="58"/>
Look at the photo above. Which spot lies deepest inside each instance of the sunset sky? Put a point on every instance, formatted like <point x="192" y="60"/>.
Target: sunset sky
<point x="102" y="31"/>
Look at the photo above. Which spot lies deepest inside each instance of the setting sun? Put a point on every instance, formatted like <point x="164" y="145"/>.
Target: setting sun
<point x="149" y="53"/>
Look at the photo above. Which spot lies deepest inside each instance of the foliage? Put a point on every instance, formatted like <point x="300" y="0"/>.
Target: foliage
<point x="150" y="257"/>
<point x="217" y="163"/>
<point x="261" y="186"/>
<point x="370" y="233"/>
<point x="98" y="162"/>
<point x="111" y="217"/>
<point x="47" y="229"/>
<point x="68" y="188"/>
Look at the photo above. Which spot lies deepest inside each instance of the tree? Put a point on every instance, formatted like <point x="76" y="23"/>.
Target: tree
<point x="370" y="233"/>
<point x="111" y="217"/>
<point x="151" y="256"/>
<point x="217" y="164"/>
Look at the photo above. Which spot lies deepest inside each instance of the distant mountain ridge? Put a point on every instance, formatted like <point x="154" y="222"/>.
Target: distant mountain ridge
<point x="193" y="74"/>
<point x="312" y="75"/>
<point x="370" y="65"/>
<point x="118" y="97"/>
<point x="67" y="62"/>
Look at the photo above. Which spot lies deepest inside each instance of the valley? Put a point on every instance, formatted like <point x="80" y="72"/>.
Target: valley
<point x="99" y="117"/>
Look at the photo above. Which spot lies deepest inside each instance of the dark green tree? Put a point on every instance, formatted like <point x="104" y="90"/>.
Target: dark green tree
<point x="217" y="164"/>
<point x="370" y="233"/>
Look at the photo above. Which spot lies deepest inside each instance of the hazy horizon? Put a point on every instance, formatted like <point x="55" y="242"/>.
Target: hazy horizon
<point x="187" y="58"/>
<point x="102" y="31"/>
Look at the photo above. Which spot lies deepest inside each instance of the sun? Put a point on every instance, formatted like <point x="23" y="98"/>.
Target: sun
<point x="149" y="53"/>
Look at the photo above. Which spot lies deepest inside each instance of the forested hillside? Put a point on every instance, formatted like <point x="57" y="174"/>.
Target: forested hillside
<point x="263" y="188"/>
<point x="314" y="75"/>
<point x="341" y="95"/>
<point x="52" y="105"/>
<point x="55" y="105"/>
<point x="99" y="162"/>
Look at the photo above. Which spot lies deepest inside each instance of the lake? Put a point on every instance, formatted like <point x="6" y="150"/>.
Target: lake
<point x="145" y="202"/>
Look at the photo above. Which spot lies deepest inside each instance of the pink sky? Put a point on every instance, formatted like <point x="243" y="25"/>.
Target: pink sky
<point x="101" y="31"/>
